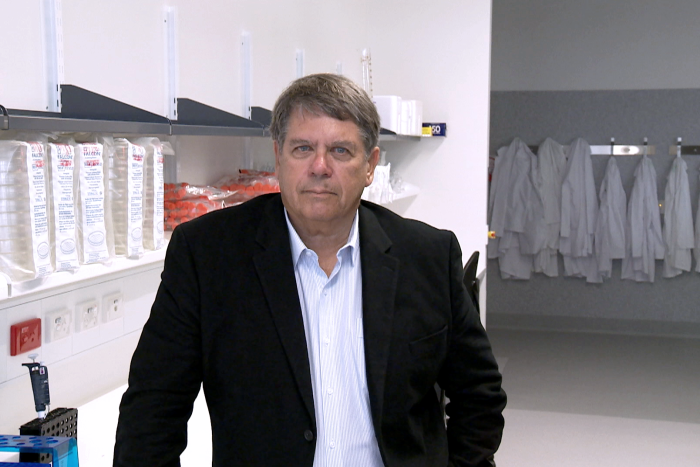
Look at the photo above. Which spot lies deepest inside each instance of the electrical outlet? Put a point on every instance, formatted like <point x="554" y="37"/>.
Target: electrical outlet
<point x="57" y="325"/>
<point x="112" y="307"/>
<point x="86" y="315"/>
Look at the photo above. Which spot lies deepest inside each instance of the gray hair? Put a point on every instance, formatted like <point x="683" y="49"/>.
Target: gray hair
<point x="332" y="95"/>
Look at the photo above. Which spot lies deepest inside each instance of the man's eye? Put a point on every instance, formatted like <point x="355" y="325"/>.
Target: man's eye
<point x="304" y="148"/>
<point x="341" y="153"/>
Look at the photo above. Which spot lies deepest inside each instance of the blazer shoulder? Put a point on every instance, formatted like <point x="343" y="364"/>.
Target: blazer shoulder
<point x="242" y="220"/>
<point x="403" y="230"/>
<point x="249" y="213"/>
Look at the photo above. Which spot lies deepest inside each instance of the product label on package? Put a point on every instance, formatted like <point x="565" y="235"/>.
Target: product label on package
<point x="436" y="129"/>
<point x="62" y="172"/>
<point x="36" y="170"/>
<point x="91" y="199"/>
<point x="134" y="241"/>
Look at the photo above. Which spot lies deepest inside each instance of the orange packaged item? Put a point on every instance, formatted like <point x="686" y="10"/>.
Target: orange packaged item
<point x="184" y="202"/>
<point x="247" y="184"/>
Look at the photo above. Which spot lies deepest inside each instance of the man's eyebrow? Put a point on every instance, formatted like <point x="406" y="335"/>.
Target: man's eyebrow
<point x="296" y="141"/>
<point x="344" y="143"/>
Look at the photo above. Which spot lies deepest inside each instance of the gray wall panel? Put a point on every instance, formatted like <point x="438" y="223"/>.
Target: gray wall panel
<point x="629" y="116"/>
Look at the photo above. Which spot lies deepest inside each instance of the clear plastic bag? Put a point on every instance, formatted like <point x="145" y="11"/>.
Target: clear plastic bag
<point x="153" y="214"/>
<point x="61" y="205"/>
<point x="184" y="202"/>
<point x="89" y="186"/>
<point x="247" y="184"/>
<point x="126" y="197"/>
<point x="24" y="224"/>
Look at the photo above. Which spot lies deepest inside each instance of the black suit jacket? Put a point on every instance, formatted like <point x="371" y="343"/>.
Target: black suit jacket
<point x="227" y="315"/>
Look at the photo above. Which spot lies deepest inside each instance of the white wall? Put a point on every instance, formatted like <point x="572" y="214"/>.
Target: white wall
<point x="210" y="52"/>
<point x="22" y="56"/>
<point x="439" y="53"/>
<point x="595" y="45"/>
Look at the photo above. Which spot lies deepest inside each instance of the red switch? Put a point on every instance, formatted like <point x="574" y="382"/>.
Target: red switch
<point x="25" y="336"/>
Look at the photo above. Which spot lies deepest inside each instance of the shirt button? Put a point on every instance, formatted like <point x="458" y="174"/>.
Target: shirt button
<point x="309" y="435"/>
<point x="332" y="444"/>
<point x="326" y="341"/>
<point x="330" y="390"/>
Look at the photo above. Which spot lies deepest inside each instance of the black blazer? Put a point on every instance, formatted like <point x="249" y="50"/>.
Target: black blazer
<point x="227" y="315"/>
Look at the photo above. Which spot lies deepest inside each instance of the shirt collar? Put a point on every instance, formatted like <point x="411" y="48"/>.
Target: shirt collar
<point x="298" y="246"/>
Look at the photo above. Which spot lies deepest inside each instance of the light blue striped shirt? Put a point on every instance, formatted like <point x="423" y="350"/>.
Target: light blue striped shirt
<point x="332" y="312"/>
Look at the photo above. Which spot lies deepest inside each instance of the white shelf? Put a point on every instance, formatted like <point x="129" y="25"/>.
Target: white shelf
<point x="86" y="275"/>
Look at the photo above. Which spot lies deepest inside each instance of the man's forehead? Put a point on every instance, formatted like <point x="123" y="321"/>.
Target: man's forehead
<point x="302" y="112"/>
<point x="301" y="115"/>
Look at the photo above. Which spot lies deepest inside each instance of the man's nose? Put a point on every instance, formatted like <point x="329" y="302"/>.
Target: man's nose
<point x="319" y="164"/>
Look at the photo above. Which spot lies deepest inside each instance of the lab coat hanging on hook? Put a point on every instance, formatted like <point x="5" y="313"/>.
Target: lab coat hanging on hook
<point x="552" y="164"/>
<point x="610" y="231"/>
<point x="644" y="242"/>
<point x="579" y="213"/>
<point x="678" y="220"/>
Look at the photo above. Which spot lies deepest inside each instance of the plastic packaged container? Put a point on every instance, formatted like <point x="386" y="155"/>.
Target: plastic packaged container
<point x="90" y="204"/>
<point x="24" y="223"/>
<point x="126" y="197"/>
<point x="64" y="251"/>
<point x="153" y="208"/>
<point x="184" y="202"/>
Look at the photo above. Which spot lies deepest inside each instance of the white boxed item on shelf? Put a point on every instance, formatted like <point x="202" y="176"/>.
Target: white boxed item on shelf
<point x="90" y="203"/>
<point x="64" y="252"/>
<point x="417" y="128"/>
<point x="24" y="227"/>
<point x="411" y="117"/>
<point x="126" y="197"/>
<point x="153" y="210"/>
<point x="389" y="109"/>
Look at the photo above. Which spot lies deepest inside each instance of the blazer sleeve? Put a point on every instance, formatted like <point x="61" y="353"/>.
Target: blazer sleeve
<point x="166" y="369"/>
<point x="471" y="380"/>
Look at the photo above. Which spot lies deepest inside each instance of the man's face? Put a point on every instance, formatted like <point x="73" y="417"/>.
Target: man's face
<point x="322" y="170"/>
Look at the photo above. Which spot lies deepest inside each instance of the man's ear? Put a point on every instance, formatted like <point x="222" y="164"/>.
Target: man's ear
<point x="371" y="164"/>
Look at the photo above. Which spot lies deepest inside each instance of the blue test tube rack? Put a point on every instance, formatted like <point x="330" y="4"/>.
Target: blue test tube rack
<point x="64" y="450"/>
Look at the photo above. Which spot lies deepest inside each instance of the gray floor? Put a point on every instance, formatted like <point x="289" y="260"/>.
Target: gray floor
<point x="587" y="399"/>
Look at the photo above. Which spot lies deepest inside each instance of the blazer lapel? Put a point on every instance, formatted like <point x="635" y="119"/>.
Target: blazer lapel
<point x="379" y="281"/>
<point x="276" y="271"/>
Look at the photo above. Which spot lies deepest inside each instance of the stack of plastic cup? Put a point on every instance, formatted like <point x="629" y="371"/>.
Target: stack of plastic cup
<point x="17" y="244"/>
<point x="90" y="203"/>
<point x="125" y="185"/>
<point x="61" y="205"/>
<point x="153" y="210"/>
<point x="118" y="199"/>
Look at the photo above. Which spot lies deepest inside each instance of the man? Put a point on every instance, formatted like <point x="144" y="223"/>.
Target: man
<point x="317" y="324"/>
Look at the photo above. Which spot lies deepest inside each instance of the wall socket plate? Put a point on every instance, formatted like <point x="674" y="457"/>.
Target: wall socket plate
<point x="25" y="336"/>
<point x="58" y="324"/>
<point x="86" y="315"/>
<point x="112" y="307"/>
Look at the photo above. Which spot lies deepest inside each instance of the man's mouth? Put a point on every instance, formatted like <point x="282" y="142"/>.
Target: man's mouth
<point x="319" y="192"/>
